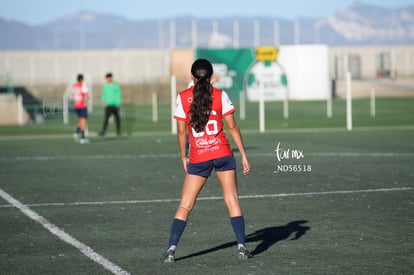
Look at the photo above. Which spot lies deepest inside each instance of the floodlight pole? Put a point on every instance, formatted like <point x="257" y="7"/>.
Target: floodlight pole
<point x="194" y="34"/>
<point x="329" y="104"/>
<point x="173" y="99"/>
<point x="256" y="33"/>
<point x="296" y="32"/>
<point x="65" y="109"/>
<point x="154" y="107"/>
<point x="348" y="102"/>
<point x="172" y="35"/>
<point x="236" y="34"/>
<point x="242" y="105"/>
<point x="261" y="109"/>
<point x="20" y="109"/>
<point x="286" y="105"/>
<point x="372" y="103"/>
<point x="90" y="87"/>
<point x="276" y="33"/>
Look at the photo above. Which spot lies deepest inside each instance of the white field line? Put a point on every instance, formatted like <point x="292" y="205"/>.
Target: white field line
<point x="342" y="154"/>
<point x="154" y="156"/>
<point x="333" y="129"/>
<point x="55" y="230"/>
<point x="87" y="157"/>
<point x="357" y="154"/>
<point x="220" y="198"/>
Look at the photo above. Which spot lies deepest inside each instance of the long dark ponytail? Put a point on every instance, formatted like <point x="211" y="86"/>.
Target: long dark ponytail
<point x="200" y="108"/>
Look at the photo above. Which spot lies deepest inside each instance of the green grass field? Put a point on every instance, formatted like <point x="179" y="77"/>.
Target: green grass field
<point x="350" y="212"/>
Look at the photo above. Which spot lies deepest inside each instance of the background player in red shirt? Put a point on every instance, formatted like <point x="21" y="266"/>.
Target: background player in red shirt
<point x="202" y="109"/>
<point x="80" y="97"/>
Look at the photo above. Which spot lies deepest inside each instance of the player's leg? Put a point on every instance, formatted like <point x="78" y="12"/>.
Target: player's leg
<point x="83" y="115"/>
<point x="117" y="120"/>
<point x="82" y="126"/>
<point x="83" y="139"/>
<point x="229" y="188"/>
<point x="228" y="182"/>
<point x="191" y="188"/>
<point x="76" y="134"/>
<point x="105" y="122"/>
<point x="78" y="126"/>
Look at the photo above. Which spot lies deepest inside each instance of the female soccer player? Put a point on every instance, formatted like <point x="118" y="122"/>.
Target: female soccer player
<point x="201" y="108"/>
<point x="80" y="97"/>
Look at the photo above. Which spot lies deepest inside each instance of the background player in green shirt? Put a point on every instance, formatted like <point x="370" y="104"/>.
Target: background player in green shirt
<point x="111" y="100"/>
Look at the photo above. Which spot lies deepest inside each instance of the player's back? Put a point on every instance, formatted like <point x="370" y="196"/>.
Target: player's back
<point x="210" y="143"/>
<point x="78" y="95"/>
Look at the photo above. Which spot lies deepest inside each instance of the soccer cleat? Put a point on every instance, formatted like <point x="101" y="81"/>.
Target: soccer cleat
<point x="76" y="137"/>
<point x="244" y="253"/>
<point x="84" y="141"/>
<point x="168" y="257"/>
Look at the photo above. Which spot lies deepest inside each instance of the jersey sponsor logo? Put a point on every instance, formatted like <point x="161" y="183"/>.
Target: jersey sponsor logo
<point x="210" y="149"/>
<point x="206" y="142"/>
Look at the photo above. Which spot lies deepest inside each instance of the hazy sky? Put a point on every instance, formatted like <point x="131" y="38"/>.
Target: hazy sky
<point x="40" y="11"/>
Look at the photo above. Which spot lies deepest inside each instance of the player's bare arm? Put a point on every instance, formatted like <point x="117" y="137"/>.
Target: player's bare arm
<point x="237" y="138"/>
<point x="182" y="140"/>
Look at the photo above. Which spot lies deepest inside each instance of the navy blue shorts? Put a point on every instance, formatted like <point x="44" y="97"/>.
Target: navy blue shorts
<point x="83" y="112"/>
<point x="204" y="168"/>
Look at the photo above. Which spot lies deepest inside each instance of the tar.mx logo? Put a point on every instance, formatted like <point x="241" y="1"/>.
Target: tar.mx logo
<point x="282" y="153"/>
<point x="290" y="154"/>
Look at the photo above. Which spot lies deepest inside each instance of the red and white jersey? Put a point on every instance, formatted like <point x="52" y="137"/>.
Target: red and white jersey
<point x="211" y="143"/>
<point x="79" y="91"/>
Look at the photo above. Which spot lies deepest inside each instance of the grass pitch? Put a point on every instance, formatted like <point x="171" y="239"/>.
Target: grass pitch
<point x="352" y="213"/>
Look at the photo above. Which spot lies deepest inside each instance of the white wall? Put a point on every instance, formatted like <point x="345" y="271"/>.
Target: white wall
<point x="57" y="67"/>
<point x="149" y="66"/>
<point x="402" y="60"/>
<point x="307" y="71"/>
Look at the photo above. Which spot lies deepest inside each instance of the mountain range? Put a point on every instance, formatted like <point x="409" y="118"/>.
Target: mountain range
<point x="359" y="24"/>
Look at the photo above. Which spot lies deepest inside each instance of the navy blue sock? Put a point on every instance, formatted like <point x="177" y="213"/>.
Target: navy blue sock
<point x="78" y="130"/>
<point x="82" y="134"/>
<point x="239" y="229"/>
<point x="177" y="228"/>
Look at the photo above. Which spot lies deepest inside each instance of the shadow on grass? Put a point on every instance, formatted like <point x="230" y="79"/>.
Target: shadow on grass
<point x="267" y="237"/>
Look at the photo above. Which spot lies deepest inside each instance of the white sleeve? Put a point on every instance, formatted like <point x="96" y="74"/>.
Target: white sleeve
<point x="179" y="110"/>
<point x="84" y="89"/>
<point x="227" y="105"/>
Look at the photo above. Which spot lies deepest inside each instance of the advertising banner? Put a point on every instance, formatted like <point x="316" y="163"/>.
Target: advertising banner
<point x="298" y="72"/>
<point x="231" y="66"/>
